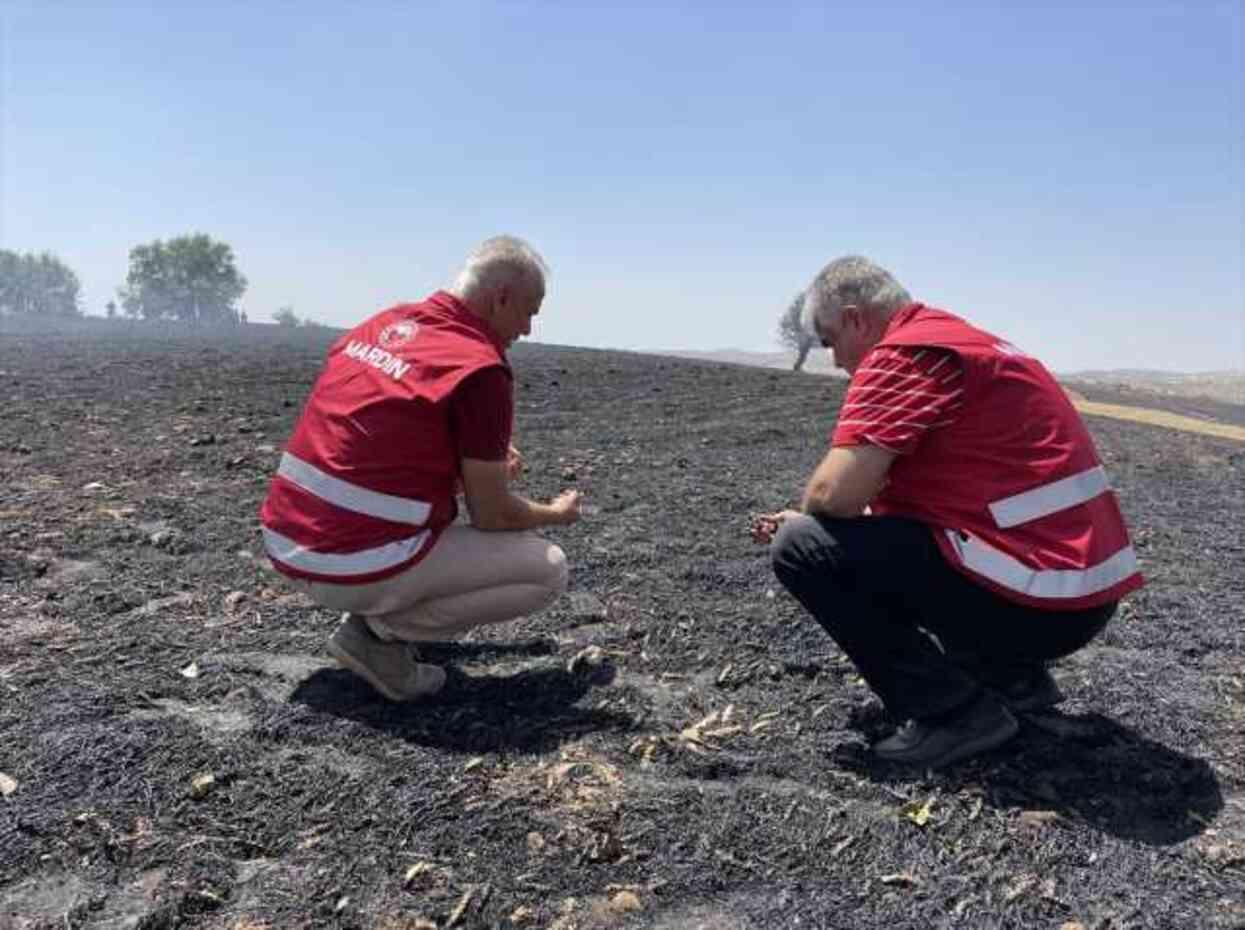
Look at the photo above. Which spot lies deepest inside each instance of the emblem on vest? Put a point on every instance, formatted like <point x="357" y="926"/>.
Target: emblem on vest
<point x="396" y="334"/>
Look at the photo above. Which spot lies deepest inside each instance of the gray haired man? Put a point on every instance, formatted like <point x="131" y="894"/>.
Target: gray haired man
<point x="413" y="406"/>
<point x="960" y="532"/>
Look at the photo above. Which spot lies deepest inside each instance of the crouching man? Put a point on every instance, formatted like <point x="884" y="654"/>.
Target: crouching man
<point x="960" y="533"/>
<point x="411" y="405"/>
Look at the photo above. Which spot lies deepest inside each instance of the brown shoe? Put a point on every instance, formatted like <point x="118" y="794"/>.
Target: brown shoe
<point x="390" y="668"/>
<point x="981" y="726"/>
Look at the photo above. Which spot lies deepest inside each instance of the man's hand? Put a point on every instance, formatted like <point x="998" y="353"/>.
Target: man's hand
<point x="514" y="464"/>
<point x="765" y="525"/>
<point x="567" y="505"/>
<point x="493" y="506"/>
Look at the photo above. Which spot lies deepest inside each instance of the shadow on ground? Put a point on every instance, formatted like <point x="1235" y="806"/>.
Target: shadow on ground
<point x="1089" y="769"/>
<point x="531" y="710"/>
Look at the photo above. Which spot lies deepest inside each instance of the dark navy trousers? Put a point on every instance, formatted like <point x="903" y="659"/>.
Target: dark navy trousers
<point x="880" y="587"/>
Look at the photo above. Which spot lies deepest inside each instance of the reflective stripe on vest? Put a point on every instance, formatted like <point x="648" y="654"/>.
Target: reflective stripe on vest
<point x="343" y="564"/>
<point x="1054" y="584"/>
<point x="351" y="497"/>
<point x="1050" y="498"/>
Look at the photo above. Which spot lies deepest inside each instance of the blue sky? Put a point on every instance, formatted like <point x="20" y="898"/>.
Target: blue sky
<point x="1069" y="176"/>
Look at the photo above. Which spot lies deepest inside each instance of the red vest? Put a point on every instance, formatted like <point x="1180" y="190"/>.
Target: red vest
<point x="1013" y="488"/>
<point x="366" y="484"/>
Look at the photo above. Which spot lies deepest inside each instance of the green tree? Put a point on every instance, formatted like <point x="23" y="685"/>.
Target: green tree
<point x="285" y="317"/>
<point x="190" y="278"/>
<point x="793" y="335"/>
<point x="38" y="285"/>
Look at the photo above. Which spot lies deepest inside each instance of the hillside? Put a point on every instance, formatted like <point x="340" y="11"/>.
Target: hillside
<point x="1223" y="386"/>
<point x="817" y="363"/>
<point x="673" y="746"/>
<point x="1213" y="396"/>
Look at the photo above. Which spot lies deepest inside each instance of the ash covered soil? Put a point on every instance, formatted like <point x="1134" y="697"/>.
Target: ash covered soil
<point x="672" y="745"/>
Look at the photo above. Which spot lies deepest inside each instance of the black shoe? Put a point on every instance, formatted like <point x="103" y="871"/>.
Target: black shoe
<point x="1034" y="692"/>
<point x="982" y="725"/>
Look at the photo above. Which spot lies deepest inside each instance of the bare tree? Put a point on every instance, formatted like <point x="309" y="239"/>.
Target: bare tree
<point x="793" y="335"/>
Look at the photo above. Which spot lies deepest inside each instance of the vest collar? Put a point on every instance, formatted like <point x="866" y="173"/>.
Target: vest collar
<point x="902" y="318"/>
<point x="458" y="311"/>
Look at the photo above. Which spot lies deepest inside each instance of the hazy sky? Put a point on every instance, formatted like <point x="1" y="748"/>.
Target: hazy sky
<point x="1068" y="175"/>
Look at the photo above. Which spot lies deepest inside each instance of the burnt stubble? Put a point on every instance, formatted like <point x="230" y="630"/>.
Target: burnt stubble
<point x="674" y="745"/>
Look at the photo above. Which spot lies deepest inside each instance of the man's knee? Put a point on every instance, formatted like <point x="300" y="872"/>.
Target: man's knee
<point x="559" y="571"/>
<point x="792" y="547"/>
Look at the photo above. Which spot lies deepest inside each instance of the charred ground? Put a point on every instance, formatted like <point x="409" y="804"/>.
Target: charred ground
<point x="673" y="745"/>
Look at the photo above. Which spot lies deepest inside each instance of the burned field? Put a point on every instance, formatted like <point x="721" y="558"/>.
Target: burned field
<point x="672" y="745"/>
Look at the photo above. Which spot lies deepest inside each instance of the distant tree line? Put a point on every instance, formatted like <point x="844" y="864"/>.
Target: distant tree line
<point x="190" y="279"/>
<point x="285" y="316"/>
<point x="38" y="285"/>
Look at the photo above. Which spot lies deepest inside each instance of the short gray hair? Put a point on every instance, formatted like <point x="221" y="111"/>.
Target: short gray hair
<point x="852" y="280"/>
<point x="497" y="262"/>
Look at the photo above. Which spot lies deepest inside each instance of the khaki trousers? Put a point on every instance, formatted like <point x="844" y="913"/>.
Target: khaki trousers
<point x="470" y="578"/>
